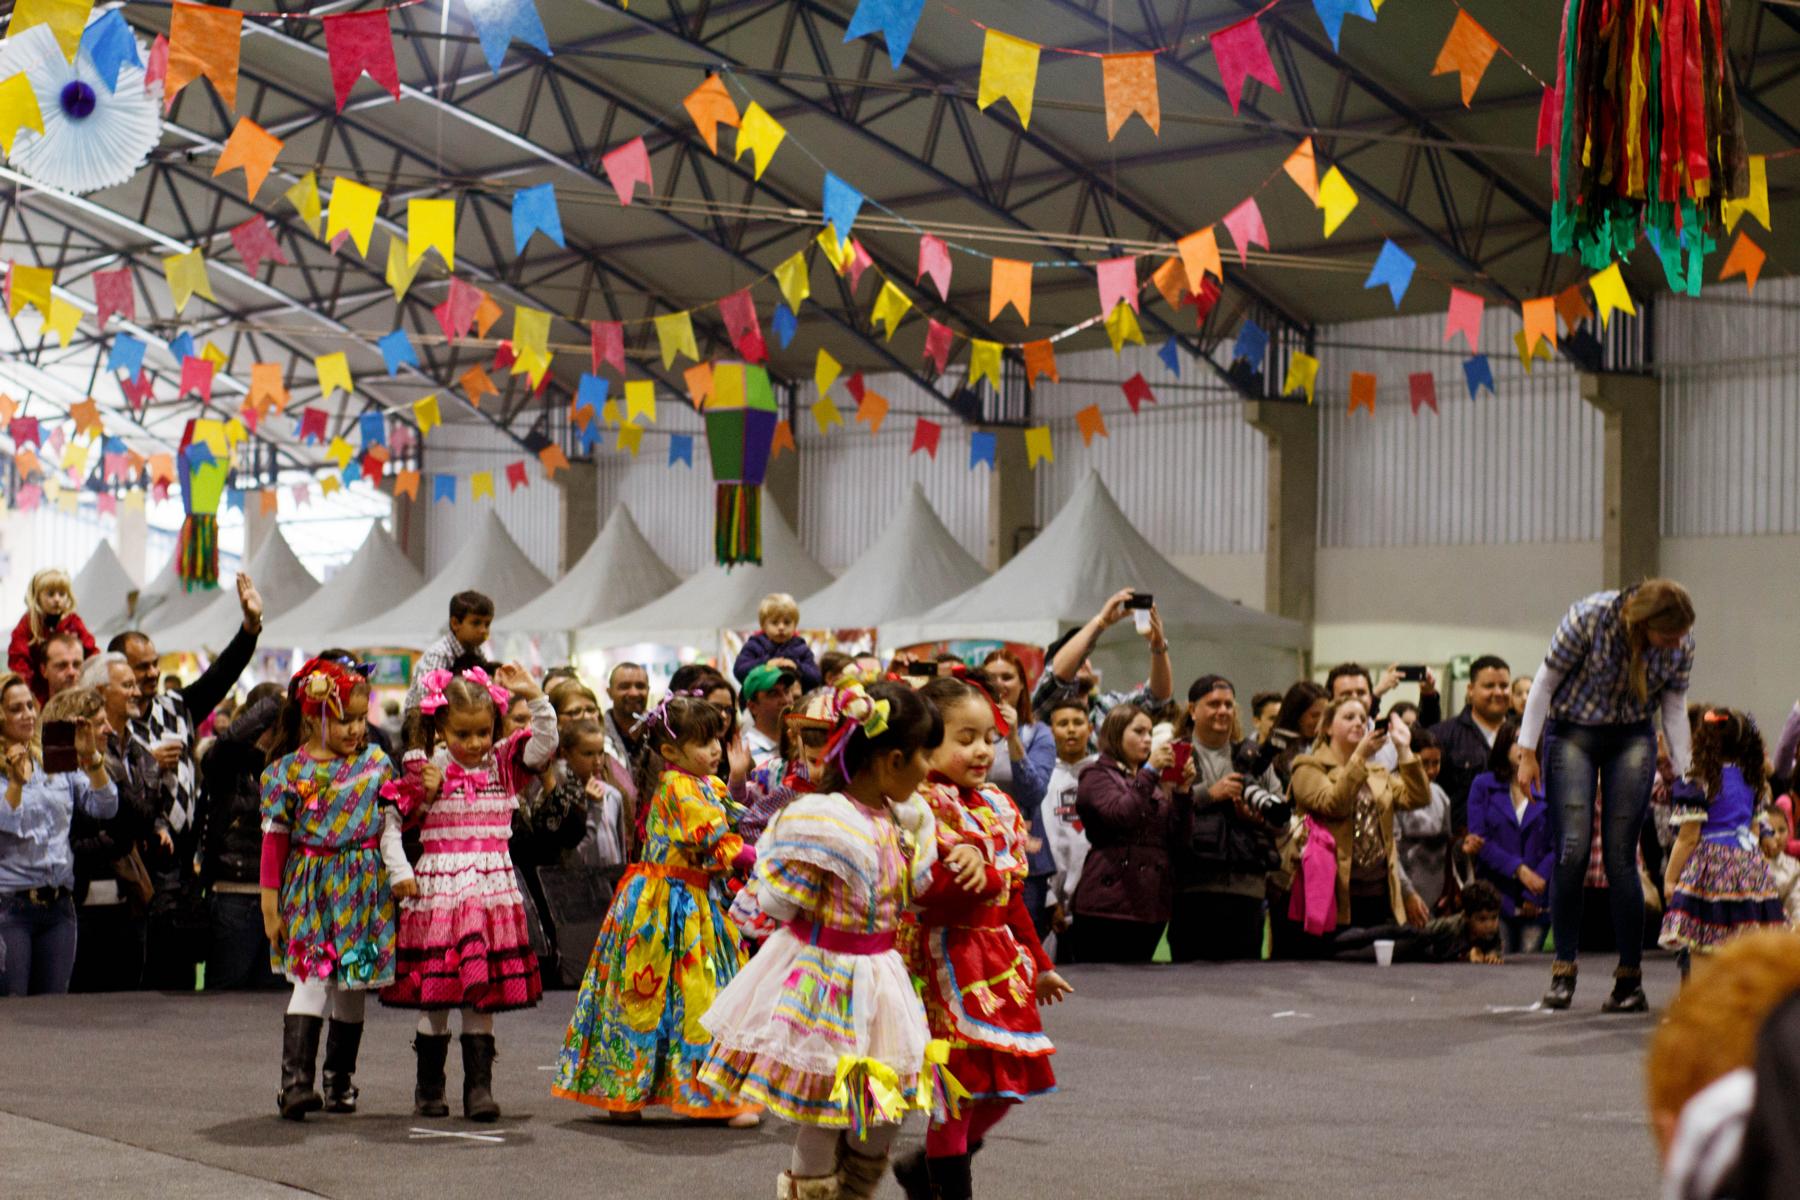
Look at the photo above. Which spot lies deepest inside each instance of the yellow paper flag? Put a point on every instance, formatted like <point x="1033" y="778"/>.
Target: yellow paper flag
<point x="352" y="211"/>
<point x="640" y="400"/>
<point x="74" y="457"/>
<point x="891" y="307"/>
<point x="1303" y="169"/>
<point x="430" y="225"/>
<point x="1756" y="203"/>
<point x="826" y="414"/>
<point x="481" y="483"/>
<point x="340" y="452"/>
<point x="825" y="370"/>
<point x="760" y="133"/>
<point x="1530" y="348"/>
<point x="675" y="334"/>
<point x="329" y="485"/>
<point x="1037" y="446"/>
<point x="530" y="336"/>
<point x="304" y="196"/>
<point x="631" y="439"/>
<point x="334" y="373"/>
<point x="187" y="277"/>
<point x="30" y="285"/>
<point x="400" y="273"/>
<point x="1122" y="326"/>
<point x="794" y="279"/>
<point x="217" y="357"/>
<point x="984" y="360"/>
<point x="18" y="110"/>
<point x="66" y="19"/>
<point x="1337" y="199"/>
<point x="1008" y="68"/>
<point x="1610" y="294"/>
<point x="1302" y="375"/>
<point x="425" y="412"/>
<point x="837" y="253"/>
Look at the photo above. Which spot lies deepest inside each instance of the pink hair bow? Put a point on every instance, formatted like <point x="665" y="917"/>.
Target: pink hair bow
<point x="432" y="694"/>
<point x="479" y="675"/>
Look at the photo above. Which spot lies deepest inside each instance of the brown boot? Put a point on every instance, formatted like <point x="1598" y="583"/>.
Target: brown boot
<point x="806" y="1187"/>
<point x="859" y="1177"/>
<point x="1628" y="992"/>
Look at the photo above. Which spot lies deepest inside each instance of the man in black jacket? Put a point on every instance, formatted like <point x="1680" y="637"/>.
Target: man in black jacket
<point x="231" y="794"/>
<point x="1467" y="737"/>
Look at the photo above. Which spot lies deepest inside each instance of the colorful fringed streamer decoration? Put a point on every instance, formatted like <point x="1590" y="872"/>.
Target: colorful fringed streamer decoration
<point x="869" y="1091"/>
<point x="740" y="433"/>
<point x="946" y="1093"/>
<point x="203" y="463"/>
<point x="1649" y="134"/>
<point x="197" y="554"/>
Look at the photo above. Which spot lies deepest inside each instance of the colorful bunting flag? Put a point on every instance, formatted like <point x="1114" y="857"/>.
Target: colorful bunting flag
<point x="761" y="134"/>
<point x="534" y="210"/>
<point x="203" y="40"/>
<point x="481" y="484"/>
<point x="891" y="307"/>
<point x="1242" y="54"/>
<point x="113" y="294"/>
<point x="1252" y="346"/>
<point x="895" y="20"/>
<point x="825" y="371"/>
<point x="1246" y="225"/>
<point x="1394" y="270"/>
<point x="1540" y="320"/>
<point x="1572" y="307"/>
<point x="1530" y="349"/>
<point x="1037" y="446"/>
<point x="784" y="438"/>
<point x="1010" y="283"/>
<point x="334" y="373"/>
<point x="607" y="342"/>
<point x="18" y="109"/>
<point x="108" y="44"/>
<point x="681" y="449"/>
<point x="871" y="410"/>
<point x="925" y="437"/>
<point x="1118" y="282"/>
<point x="187" y="277"/>
<point x="476" y="383"/>
<point x="1137" y="390"/>
<point x="1302" y="375"/>
<point x="1464" y="317"/>
<point x="251" y="147"/>
<point x="984" y="361"/>
<point x="983" y="446"/>
<point x="255" y="243"/>
<point x="739" y="312"/>
<point x="1477" y="374"/>
<point x="675" y="335"/>
<point x="397" y="351"/>
<point x="303" y="194"/>
<point x="1122" y="326"/>
<point x="1128" y="85"/>
<point x="785" y="324"/>
<point x="1732" y="209"/>
<point x="267" y="390"/>
<point x="197" y="377"/>
<point x="353" y="209"/>
<point x="1362" y="391"/>
<point x="1303" y="168"/>
<point x="1091" y="424"/>
<point x="792" y="276"/>
<point x="430" y="225"/>
<point x="400" y="273"/>
<point x="1746" y="259"/>
<point x="640" y="400"/>
<point x="127" y="355"/>
<point x="825" y="414"/>
<point x="710" y="106"/>
<point x="373" y="428"/>
<point x="1336" y="198"/>
<point x="841" y="204"/>
<point x="356" y="43"/>
<point x="627" y="166"/>
<point x="443" y="488"/>
<point x="515" y="476"/>
<point x="458" y="309"/>
<point x="1040" y="359"/>
<point x="499" y="22"/>
<point x="66" y="18"/>
<point x="426" y="414"/>
<point x="938" y="339"/>
<point x="1467" y="52"/>
<point x="1332" y="14"/>
<point x="1008" y="69"/>
<point x="1610" y="294"/>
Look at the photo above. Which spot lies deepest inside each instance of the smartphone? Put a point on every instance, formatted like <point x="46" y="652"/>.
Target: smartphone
<point x="922" y="670"/>
<point x="1412" y="674"/>
<point x="59" y="748"/>
<point x="1175" y="770"/>
<point x="1140" y="600"/>
<point x="1139" y="604"/>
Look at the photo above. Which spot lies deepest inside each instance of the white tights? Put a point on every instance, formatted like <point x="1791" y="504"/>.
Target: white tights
<point x="435" y="1022"/>
<point x="312" y="997"/>
<point x="816" y="1148"/>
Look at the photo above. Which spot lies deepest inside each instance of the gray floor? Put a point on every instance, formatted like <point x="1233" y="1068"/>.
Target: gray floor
<point x="1271" y="1080"/>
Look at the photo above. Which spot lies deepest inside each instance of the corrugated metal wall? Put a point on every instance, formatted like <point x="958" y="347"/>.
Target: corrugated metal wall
<point x="672" y="505"/>
<point x="1521" y="465"/>
<point x="1730" y="368"/>
<point x="531" y="515"/>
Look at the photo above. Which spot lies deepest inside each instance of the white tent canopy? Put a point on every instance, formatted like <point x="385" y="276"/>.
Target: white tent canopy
<point x="363" y="588"/>
<point x="913" y="566"/>
<point x="283" y="581"/>
<point x="489" y="562"/>
<point x="166" y="601"/>
<point x="716" y="599"/>
<point x="619" y="573"/>
<point x="1088" y="552"/>
<point x="103" y="593"/>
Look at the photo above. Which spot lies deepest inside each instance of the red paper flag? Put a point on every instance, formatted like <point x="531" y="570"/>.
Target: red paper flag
<point x="608" y="339"/>
<point x="515" y="476"/>
<point x="358" y="42"/>
<point x="1137" y="391"/>
<point x="504" y="356"/>
<point x="458" y="309"/>
<point x="938" y="337"/>
<point x="1118" y="281"/>
<point x="1746" y="259"/>
<point x="1091" y="424"/>
<point x="1362" y="391"/>
<point x="783" y="439"/>
<point x="139" y="391"/>
<point x="255" y="242"/>
<point x="859" y="262"/>
<point x="1040" y="359"/>
<point x="739" y="311"/>
<point x="934" y="260"/>
<point x="203" y="40"/>
<point x="1205" y="302"/>
<point x="1467" y="51"/>
<point x="1242" y="54"/>
<point x="1423" y="388"/>
<point x="925" y="437"/>
<point x="854" y="385"/>
<point x="627" y="166"/>
<point x="1246" y="225"/>
<point x="312" y="424"/>
<point x="1464" y="317"/>
<point x="197" y="377"/>
<point x="113" y="294"/>
<point x="374" y="466"/>
<point x="1549" y="119"/>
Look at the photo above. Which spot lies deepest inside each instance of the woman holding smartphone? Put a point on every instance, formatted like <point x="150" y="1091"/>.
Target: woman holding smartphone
<point x="37" y="862"/>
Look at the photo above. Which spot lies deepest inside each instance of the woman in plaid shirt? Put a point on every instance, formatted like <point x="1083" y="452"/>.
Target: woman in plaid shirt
<point x="1617" y="659"/>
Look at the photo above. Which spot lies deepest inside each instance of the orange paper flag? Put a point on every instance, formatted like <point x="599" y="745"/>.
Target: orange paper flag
<point x="486" y="313"/>
<point x="1171" y="280"/>
<point x="783" y="439"/>
<point x="406" y="483"/>
<point x="204" y="40"/>
<point x="253" y="148"/>
<point x="1540" y="320"/>
<point x="1200" y="254"/>
<point x="1746" y="259"/>
<point x="872" y="409"/>
<point x="1091" y="424"/>
<point x="1572" y="307"/>
<point x="1129" y="85"/>
<point x="1362" y="391"/>
<point x="554" y="460"/>
<point x="711" y="106"/>
<point x="476" y="383"/>
<point x="699" y="379"/>
<point x="1040" y="359"/>
<point x="1010" y="284"/>
<point x="1303" y="169"/>
<point x="1467" y="51"/>
<point x="269" y="501"/>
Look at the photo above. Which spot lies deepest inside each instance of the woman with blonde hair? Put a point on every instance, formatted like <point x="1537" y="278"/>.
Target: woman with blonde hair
<point x="1618" y="659"/>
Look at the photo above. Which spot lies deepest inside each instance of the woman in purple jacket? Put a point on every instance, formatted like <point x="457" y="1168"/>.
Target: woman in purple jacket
<point x="1127" y="888"/>
<point x="1512" y="842"/>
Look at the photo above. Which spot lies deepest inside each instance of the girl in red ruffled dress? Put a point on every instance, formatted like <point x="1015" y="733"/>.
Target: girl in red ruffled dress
<point x="984" y="971"/>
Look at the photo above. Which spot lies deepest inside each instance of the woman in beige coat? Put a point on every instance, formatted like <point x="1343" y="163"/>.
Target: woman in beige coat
<point x="1338" y="787"/>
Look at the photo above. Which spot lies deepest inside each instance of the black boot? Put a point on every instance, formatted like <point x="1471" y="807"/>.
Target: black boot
<point x="342" y="1040"/>
<point x="428" y="1092"/>
<point x="1628" y="992"/>
<point x="299" y="1057"/>
<point x="913" y="1176"/>
<point x="1562" y="986"/>
<point x="951" y="1177"/>
<point x="478" y="1077"/>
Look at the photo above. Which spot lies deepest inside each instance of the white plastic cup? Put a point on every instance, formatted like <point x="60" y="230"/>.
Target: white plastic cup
<point x="1384" y="952"/>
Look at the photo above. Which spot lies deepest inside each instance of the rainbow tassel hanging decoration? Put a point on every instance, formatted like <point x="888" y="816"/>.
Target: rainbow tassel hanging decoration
<point x="1647" y="136"/>
<point x="737" y="523"/>
<point x="740" y="434"/>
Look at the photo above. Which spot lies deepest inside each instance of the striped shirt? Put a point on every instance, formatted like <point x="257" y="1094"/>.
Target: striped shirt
<point x="1593" y="652"/>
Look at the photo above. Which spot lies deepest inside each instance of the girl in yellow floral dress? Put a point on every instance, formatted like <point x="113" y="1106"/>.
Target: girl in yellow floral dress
<point x="665" y="949"/>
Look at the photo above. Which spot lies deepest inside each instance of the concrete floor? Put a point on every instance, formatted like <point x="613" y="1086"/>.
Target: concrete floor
<point x="1255" y="1080"/>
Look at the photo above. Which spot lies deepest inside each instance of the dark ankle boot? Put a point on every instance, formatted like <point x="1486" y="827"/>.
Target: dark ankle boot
<point x="478" y="1077"/>
<point x="1628" y="992"/>
<point x="913" y="1176"/>
<point x="428" y="1092"/>
<point x="951" y="1177"/>
<point x="299" y="1058"/>
<point x="342" y="1040"/>
<point x="1562" y="986"/>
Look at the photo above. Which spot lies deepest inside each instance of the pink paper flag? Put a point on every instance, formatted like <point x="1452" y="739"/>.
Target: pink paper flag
<point x="739" y="311"/>
<point x="1464" y="316"/>
<point x="1242" y="54"/>
<point x="255" y="242"/>
<point x="107" y="504"/>
<point x="859" y="262"/>
<point x="938" y="337"/>
<point x="139" y="391"/>
<point x="1118" y="281"/>
<point x="608" y="339"/>
<point x="1246" y="225"/>
<point x="458" y="308"/>
<point x="197" y="377"/>
<point x="1137" y="391"/>
<point x="358" y="42"/>
<point x="934" y="260"/>
<point x="156" y="70"/>
<point x="113" y="294"/>
<point x="626" y="166"/>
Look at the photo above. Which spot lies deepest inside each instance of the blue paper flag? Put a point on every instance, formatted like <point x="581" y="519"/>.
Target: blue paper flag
<point x="842" y="203"/>
<point x="592" y="390"/>
<point x="894" y="19"/>
<point x="1332" y="14"/>
<point x="351" y="473"/>
<point x="127" y="351"/>
<point x="498" y="22"/>
<point x="1479" y="375"/>
<point x="374" y="429"/>
<point x="534" y="211"/>
<point x="113" y="445"/>
<point x="1171" y="356"/>
<point x="1252" y="344"/>
<point x="681" y="448"/>
<point x="443" y="487"/>
<point x="590" y="437"/>
<point x="981" y="449"/>
<point x="397" y="351"/>
<point x="108" y="45"/>
<point x="1393" y="267"/>
<point x="785" y="324"/>
<point x="182" y="347"/>
<point x="233" y="497"/>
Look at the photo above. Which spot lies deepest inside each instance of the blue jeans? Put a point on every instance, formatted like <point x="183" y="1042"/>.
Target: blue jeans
<point x="238" y="952"/>
<point x="38" y="944"/>
<point x="1623" y="759"/>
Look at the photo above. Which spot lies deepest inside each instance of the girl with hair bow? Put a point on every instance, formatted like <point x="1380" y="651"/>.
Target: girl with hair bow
<point x="464" y="940"/>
